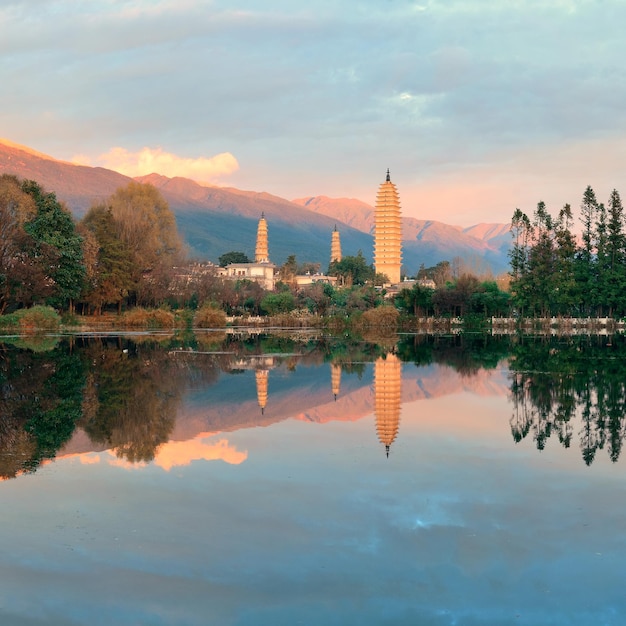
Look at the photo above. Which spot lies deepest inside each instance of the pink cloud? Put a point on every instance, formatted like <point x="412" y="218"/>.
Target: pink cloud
<point x="156" y="160"/>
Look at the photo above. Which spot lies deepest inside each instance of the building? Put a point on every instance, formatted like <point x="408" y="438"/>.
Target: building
<point x="261" y="271"/>
<point x="388" y="232"/>
<point x="261" y="254"/>
<point x="335" y="246"/>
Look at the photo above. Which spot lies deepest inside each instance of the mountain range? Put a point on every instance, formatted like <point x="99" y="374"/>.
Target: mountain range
<point x="214" y="220"/>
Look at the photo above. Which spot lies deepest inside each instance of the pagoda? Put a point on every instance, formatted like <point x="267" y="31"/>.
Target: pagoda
<point x="387" y="398"/>
<point x="335" y="246"/>
<point x="261" y="254"/>
<point x="388" y="232"/>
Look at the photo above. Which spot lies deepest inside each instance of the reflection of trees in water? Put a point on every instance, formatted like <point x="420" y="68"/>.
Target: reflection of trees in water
<point x="555" y="382"/>
<point x="465" y="353"/>
<point x="125" y="395"/>
<point x="132" y="396"/>
<point x="40" y="403"/>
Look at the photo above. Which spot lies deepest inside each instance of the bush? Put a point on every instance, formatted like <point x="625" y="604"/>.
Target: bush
<point x="381" y="317"/>
<point x="161" y="318"/>
<point x="209" y="317"/>
<point x="143" y="318"/>
<point x="38" y="318"/>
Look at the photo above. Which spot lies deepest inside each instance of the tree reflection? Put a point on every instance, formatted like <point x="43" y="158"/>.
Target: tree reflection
<point x="125" y="393"/>
<point x="556" y="381"/>
<point x="131" y="397"/>
<point x="40" y="403"/>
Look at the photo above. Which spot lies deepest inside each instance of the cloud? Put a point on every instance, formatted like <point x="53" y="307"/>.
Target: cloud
<point x="157" y="160"/>
<point x="178" y="453"/>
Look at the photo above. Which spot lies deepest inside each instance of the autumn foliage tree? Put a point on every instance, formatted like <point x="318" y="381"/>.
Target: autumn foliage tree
<point x="137" y="246"/>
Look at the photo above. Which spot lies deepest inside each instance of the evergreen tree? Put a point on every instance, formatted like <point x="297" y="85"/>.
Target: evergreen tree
<point x="53" y="226"/>
<point x="566" y="296"/>
<point x="585" y="269"/>
<point x="616" y="253"/>
<point x="521" y="231"/>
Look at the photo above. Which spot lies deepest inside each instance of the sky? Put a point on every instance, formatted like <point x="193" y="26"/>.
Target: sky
<point x="477" y="107"/>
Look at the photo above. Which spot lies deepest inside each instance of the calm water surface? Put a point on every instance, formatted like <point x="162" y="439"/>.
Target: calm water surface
<point x="259" y="481"/>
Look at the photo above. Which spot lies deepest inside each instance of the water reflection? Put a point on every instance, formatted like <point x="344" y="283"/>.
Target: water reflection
<point x="387" y="398"/>
<point x="125" y="393"/>
<point x="571" y="389"/>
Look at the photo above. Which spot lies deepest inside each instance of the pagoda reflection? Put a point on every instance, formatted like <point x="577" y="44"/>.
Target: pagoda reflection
<point x="335" y="379"/>
<point x="262" y="377"/>
<point x="387" y="398"/>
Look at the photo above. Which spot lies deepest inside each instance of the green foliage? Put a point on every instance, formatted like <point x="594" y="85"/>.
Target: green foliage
<point x="38" y="318"/>
<point x="232" y="257"/>
<point x="110" y="274"/>
<point x="417" y="300"/>
<point x="53" y="228"/>
<point x="58" y="407"/>
<point x="274" y="303"/>
<point x="556" y="380"/>
<point x="352" y="270"/>
<point x="553" y="275"/>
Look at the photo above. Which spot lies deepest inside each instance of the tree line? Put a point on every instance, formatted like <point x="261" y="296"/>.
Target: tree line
<point x="126" y="252"/>
<point x="123" y="251"/>
<point x="554" y="272"/>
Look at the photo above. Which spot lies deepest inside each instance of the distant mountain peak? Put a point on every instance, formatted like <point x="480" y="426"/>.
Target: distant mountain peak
<point x="27" y="150"/>
<point x="215" y="220"/>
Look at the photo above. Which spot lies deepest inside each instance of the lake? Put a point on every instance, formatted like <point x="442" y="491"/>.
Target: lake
<point x="304" y="479"/>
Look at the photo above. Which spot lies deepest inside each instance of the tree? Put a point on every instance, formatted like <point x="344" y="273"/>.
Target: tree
<point x="541" y="263"/>
<point x="417" y="300"/>
<point x="147" y="228"/>
<point x="110" y="278"/>
<point x="274" y="303"/>
<point x="616" y="253"/>
<point x="16" y="208"/>
<point x="53" y="226"/>
<point x="352" y="270"/>
<point x="566" y="296"/>
<point x="316" y="297"/>
<point x="584" y="259"/>
<point x="232" y="257"/>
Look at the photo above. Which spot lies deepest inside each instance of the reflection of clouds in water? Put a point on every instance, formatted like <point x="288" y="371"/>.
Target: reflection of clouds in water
<point x="175" y="454"/>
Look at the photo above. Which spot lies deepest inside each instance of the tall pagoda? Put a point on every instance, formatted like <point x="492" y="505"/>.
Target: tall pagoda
<point x="335" y="246"/>
<point x="388" y="232"/>
<point x="262" y="254"/>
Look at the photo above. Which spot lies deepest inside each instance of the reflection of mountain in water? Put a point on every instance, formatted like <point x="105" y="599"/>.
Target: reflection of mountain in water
<point x="135" y="396"/>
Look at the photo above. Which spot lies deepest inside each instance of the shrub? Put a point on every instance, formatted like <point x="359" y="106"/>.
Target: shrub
<point x="143" y="318"/>
<point x="209" y="317"/>
<point x="161" y="318"/>
<point x="38" y="318"/>
<point x="381" y="317"/>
